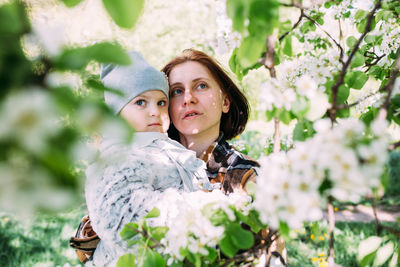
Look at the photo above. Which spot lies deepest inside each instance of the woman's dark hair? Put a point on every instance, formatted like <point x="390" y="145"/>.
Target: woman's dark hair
<point x="233" y="122"/>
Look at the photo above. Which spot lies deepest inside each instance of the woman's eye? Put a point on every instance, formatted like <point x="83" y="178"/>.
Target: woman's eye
<point x="140" y="102"/>
<point x="176" y="91"/>
<point x="162" y="103"/>
<point x="202" y="86"/>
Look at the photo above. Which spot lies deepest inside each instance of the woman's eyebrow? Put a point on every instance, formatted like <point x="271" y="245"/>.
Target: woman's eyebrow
<point x="200" y="78"/>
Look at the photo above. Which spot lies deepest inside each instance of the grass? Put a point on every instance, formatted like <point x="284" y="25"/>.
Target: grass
<point x="44" y="242"/>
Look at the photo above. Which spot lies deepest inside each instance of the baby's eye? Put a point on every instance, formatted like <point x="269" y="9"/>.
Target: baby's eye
<point x="162" y="103"/>
<point x="140" y="102"/>
<point x="202" y="86"/>
<point x="176" y="91"/>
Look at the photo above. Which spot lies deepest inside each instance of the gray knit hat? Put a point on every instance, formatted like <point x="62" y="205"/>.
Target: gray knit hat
<point x="131" y="81"/>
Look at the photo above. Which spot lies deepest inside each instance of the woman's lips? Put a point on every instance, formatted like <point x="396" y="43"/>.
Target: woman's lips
<point x="191" y="114"/>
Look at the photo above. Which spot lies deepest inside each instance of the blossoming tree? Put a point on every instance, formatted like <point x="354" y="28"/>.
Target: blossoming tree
<point x="318" y="59"/>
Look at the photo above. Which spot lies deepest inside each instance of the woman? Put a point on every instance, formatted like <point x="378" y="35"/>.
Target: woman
<point x="206" y="109"/>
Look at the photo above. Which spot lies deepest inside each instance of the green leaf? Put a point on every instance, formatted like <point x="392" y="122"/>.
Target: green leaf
<point x="108" y="53"/>
<point x="300" y="107"/>
<point x="270" y="114"/>
<point x="343" y="113"/>
<point x="383" y="254"/>
<point x="212" y="254"/>
<point x="369" y="116"/>
<point x="250" y="51"/>
<point x="356" y="79"/>
<point x="71" y="3"/>
<point x="358" y="60"/>
<point x="152" y="259"/>
<point x="78" y="58"/>
<point x="227" y="246"/>
<point x="13" y="19"/>
<point x="241" y="238"/>
<point x="124" y="12"/>
<point x="155" y="212"/>
<point x="232" y="61"/>
<point x="377" y="72"/>
<point x="298" y="132"/>
<point x="360" y="14"/>
<point x="284" y="229"/>
<point x="285" y="116"/>
<point x="263" y="17"/>
<point x="237" y="11"/>
<point x="367" y="249"/>
<point x="370" y="39"/>
<point x="216" y="216"/>
<point x="351" y="41"/>
<point x="287" y="47"/>
<point x="361" y="25"/>
<point x="158" y="232"/>
<point x="251" y="219"/>
<point x="127" y="232"/>
<point x="127" y="260"/>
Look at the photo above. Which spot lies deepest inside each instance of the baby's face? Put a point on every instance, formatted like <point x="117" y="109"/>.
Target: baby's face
<point x="148" y="112"/>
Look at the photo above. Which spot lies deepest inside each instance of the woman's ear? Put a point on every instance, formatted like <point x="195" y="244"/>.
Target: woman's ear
<point x="226" y="104"/>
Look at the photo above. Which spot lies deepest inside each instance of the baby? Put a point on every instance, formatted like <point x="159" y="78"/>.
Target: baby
<point x="126" y="181"/>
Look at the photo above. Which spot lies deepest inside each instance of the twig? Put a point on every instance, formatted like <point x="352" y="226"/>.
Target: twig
<point x="330" y="37"/>
<point x="146" y="235"/>
<point x="293" y="4"/>
<point x="245" y="256"/>
<point x="339" y="82"/>
<point x="277" y="138"/>
<point x="378" y="225"/>
<point x="394" y="146"/>
<point x="346" y="106"/>
<point x="331" y="218"/>
<point x="269" y="62"/>
<point x="389" y="86"/>
<point x="294" y="26"/>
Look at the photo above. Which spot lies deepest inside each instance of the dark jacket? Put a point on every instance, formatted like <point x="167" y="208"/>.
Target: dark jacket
<point x="228" y="166"/>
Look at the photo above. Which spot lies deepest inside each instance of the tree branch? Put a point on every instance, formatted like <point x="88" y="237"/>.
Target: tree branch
<point x="269" y="62"/>
<point x="294" y="26"/>
<point x="329" y="36"/>
<point x="346" y="106"/>
<point x="394" y="146"/>
<point x="331" y="219"/>
<point x="390" y="85"/>
<point x="339" y="82"/>
<point x="146" y="235"/>
<point x="293" y="4"/>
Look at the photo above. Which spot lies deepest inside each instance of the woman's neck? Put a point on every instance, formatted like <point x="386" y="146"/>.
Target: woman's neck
<point x="198" y="142"/>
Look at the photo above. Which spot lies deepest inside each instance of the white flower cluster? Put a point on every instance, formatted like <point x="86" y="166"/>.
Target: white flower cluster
<point x="302" y="77"/>
<point x="288" y="185"/>
<point x="390" y="38"/>
<point x="30" y="118"/>
<point x="367" y="100"/>
<point x="226" y="38"/>
<point x="188" y="226"/>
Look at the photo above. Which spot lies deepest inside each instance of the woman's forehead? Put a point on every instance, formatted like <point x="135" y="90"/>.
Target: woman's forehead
<point x="190" y="70"/>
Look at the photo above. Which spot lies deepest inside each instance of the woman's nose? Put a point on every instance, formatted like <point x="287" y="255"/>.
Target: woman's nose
<point x="189" y="98"/>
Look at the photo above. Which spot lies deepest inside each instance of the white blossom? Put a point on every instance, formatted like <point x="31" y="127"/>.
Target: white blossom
<point x="30" y="118"/>
<point x="319" y="104"/>
<point x="188" y="226"/>
<point x="288" y="184"/>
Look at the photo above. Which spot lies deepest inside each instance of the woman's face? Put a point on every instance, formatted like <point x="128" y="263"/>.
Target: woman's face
<point x="196" y="100"/>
